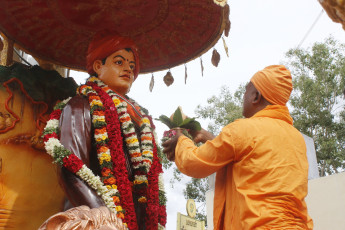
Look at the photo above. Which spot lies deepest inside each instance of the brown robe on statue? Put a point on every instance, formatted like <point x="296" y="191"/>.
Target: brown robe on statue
<point x="77" y="136"/>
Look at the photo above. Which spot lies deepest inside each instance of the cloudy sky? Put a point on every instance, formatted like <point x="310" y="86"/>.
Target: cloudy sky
<point x="262" y="31"/>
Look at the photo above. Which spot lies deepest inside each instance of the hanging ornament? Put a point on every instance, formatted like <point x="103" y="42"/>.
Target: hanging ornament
<point x="225" y="47"/>
<point x="227" y="10"/>
<point x="152" y="83"/>
<point x="185" y="74"/>
<point x="227" y="20"/>
<point x="227" y="28"/>
<point x="202" y="67"/>
<point x="215" y="57"/>
<point x="168" y="79"/>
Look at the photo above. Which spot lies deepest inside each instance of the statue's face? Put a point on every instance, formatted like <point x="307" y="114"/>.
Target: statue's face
<point x="117" y="71"/>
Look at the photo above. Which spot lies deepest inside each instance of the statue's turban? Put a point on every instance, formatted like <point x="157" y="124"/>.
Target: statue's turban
<point x="104" y="44"/>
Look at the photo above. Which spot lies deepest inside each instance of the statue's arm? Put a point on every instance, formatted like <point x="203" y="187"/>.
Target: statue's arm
<point x="75" y="126"/>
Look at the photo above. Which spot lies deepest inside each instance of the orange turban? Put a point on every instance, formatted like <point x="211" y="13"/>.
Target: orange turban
<point x="104" y="44"/>
<point x="274" y="83"/>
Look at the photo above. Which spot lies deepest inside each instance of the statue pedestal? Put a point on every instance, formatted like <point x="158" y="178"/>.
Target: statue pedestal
<point x="188" y="223"/>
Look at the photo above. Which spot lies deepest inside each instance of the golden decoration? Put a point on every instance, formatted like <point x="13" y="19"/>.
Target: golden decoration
<point x="5" y="120"/>
<point x="6" y="52"/>
<point x="36" y="141"/>
<point x="1" y="45"/>
<point x="2" y="121"/>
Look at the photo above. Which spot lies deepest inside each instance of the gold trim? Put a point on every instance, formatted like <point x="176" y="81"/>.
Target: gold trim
<point x="6" y="55"/>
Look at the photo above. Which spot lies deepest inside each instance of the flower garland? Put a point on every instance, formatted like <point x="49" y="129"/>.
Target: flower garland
<point x="114" y="186"/>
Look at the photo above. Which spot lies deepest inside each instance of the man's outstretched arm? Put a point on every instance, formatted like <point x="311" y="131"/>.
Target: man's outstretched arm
<point x="200" y="161"/>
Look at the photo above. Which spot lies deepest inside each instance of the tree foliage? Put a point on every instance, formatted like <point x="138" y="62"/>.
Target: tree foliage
<point x="222" y="109"/>
<point x="317" y="100"/>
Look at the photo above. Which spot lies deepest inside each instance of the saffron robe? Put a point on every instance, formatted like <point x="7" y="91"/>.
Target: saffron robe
<point x="262" y="172"/>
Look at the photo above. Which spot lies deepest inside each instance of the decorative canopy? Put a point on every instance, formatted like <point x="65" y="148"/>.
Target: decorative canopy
<point x="167" y="32"/>
<point x="335" y="10"/>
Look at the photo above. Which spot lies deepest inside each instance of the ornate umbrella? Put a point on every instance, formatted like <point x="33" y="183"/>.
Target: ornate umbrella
<point x="335" y="10"/>
<point x="167" y="32"/>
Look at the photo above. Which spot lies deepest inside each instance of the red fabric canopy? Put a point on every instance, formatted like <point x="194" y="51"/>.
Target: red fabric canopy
<point x="167" y="32"/>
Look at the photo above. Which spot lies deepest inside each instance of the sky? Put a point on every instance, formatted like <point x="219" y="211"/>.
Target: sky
<point x="262" y="31"/>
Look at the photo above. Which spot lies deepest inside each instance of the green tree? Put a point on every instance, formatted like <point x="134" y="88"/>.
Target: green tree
<point x="318" y="108"/>
<point x="222" y="109"/>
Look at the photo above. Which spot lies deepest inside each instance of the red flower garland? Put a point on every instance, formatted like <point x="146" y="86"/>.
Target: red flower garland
<point x="153" y="195"/>
<point x="154" y="212"/>
<point x="47" y="136"/>
<point x="116" y="151"/>
<point x="72" y="163"/>
<point x="55" y="114"/>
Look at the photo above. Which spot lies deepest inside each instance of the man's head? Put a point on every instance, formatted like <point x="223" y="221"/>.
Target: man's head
<point x="272" y="85"/>
<point x="114" y="59"/>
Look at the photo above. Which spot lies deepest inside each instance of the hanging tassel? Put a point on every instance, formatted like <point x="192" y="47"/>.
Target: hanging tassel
<point x="152" y="83"/>
<point x="225" y="47"/>
<point x="215" y="57"/>
<point x="227" y="11"/>
<point x="185" y="74"/>
<point x="227" y="20"/>
<point x="202" y="67"/>
<point x="168" y="78"/>
<point x="227" y="28"/>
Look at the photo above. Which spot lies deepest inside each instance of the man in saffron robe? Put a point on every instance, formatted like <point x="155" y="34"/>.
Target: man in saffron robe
<point x="113" y="136"/>
<point x="261" y="161"/>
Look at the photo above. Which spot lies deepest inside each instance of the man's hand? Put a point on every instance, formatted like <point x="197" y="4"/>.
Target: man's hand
<point x="202" y="136"/>
<point x="170" y="145"/>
